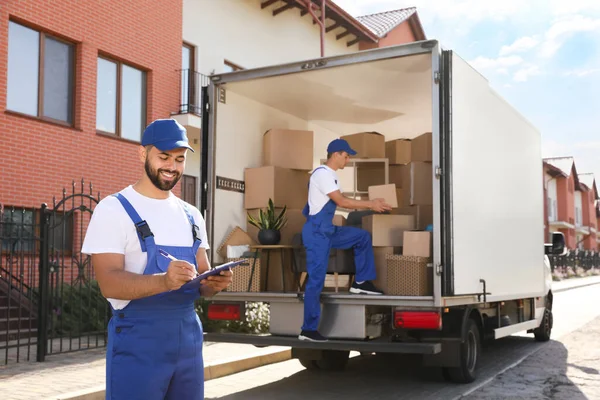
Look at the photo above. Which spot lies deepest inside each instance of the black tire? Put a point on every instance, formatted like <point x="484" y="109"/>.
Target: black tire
<point x="542" y="334"/>
<point x="310" y="365"/>
<point x="470" y="350"/>
<point x="333" y="360"/>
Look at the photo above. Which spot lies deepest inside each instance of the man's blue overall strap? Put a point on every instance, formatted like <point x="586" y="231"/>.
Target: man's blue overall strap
<point x="144" y="232"/>
<point x="306" y="209"/>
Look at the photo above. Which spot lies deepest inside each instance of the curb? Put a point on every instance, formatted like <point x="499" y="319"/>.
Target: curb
<point x="576" y="286"/>
<point x="213" y="371"/>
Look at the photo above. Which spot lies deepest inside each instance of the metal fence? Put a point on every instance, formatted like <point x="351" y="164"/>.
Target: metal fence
<point x="49" y="299"/>
<point x="584" y="259"/>
<point x="191" y="84"/>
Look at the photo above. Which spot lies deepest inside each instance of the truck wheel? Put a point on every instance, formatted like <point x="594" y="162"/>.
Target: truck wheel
<point x="469" y="356"/>
<point x="333" y="360"/>
<point x="542" y="334"/>
<point x="310" y="365"/>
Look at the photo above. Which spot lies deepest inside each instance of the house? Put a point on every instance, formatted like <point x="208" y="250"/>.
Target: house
<point x="589" y="198"/>
<point x="393" y="27"/>
<point x="560" y="182"/>
<point x="230" y="35"/>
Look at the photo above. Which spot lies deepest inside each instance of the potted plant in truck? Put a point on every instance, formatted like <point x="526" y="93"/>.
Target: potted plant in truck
<point x="269" y="224"/>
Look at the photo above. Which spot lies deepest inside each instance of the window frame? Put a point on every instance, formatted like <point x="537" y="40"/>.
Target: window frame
<point x="119" y="63"/>
<point x="73" y="78"/>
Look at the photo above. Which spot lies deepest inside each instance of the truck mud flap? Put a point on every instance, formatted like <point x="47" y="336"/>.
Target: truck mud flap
<point x="375" y="346"/>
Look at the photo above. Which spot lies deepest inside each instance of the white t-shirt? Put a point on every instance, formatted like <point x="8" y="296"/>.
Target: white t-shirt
<point x="322" y="182"/>
<point x="111" y="230"/>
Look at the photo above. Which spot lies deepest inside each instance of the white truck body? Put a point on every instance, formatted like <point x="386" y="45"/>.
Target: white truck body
<point x="488" y="235"/>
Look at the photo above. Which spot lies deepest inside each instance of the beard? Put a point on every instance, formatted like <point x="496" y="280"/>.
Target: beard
<point x="158" y="181"/>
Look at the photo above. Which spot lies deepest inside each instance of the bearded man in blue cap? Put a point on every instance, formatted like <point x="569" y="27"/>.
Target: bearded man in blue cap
<point x="319" y="236"/>
<point x="145" y="244"/>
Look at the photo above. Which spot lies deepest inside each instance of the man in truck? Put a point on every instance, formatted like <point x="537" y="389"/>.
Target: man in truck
<point x="145" y="244"/>
<point x="319" y="236"/>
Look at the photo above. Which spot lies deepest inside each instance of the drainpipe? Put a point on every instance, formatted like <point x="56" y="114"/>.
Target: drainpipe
<point x="310" y="6"/>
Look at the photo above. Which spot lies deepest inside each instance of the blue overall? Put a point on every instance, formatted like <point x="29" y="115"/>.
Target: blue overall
<point x="319" y="235"/>
<point x="155" y="343"/>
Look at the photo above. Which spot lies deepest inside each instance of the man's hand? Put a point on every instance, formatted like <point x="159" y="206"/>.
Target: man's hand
<point x="216" y="283"/>
<point x="379" y="205"/>
<point x="178" y="273"/>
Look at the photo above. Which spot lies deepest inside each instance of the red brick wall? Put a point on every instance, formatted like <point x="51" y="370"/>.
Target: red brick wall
<point x="566" y="206"/>
<point x="40" y="158"/>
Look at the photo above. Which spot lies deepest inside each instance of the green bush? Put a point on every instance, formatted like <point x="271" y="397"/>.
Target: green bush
<point x="77" y="309"/>
<point x="256" y="319"/>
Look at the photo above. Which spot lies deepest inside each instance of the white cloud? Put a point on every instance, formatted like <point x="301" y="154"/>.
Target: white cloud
<point x="495" y="63"/>
<point x="582" y="72"/>
<point x="520" y="45"/>
<point x="562" y="7"/>
<point x="565" y="28"/>
<point x="524" y="74"/>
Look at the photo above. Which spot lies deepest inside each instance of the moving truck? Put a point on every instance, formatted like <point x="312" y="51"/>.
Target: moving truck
<point x="490" y="275"/>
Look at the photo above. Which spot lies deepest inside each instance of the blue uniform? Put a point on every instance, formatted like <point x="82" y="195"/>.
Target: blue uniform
<point x="319" y="235"/>
<point x="155" y="343"/>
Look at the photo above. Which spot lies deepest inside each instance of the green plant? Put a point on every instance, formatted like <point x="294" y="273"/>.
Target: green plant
<point x="255" y="320"/>
<point x="268" y="219"/>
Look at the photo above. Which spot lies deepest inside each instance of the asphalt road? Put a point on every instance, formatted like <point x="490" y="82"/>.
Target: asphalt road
<point x="401" y="377"/>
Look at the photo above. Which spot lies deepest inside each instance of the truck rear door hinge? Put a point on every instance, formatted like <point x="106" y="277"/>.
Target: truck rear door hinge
<point x="438" y="172"/>
<point x="436" y="77"/>
<point x="439" y="268"/>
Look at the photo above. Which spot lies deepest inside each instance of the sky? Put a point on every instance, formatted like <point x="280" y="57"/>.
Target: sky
<point x="542" y="56"/>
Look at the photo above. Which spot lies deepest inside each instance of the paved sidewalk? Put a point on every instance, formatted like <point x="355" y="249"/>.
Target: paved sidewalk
<point x="81" y="375"/>
<point x="575" y="283"/>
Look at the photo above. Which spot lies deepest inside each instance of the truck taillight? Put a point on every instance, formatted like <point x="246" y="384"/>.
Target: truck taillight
<point x="224" y="312"/>
<point x="417" y="320"/>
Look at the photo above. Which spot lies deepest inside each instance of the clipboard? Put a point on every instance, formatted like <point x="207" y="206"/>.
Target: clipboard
<point x="195" y="283"/>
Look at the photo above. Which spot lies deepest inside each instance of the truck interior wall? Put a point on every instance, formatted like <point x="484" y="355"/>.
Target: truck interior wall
<point x="392" y="97"/>
<point x="497" y="193"/>
<point x="241" y="124"/>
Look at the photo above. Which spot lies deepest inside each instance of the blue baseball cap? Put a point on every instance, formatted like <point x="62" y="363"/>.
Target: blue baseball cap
<point x="165" y="135"/>
<point x="340" y="145"/>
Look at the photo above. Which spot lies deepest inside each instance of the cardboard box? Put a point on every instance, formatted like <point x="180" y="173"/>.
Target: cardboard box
<point x="400" y="197"/>
<point x="388" y="230"/>
<point x="423" y="214"/>
<point x="236" y="237"/>
<point x="421" y="148"/>
<point x="295" y="222"/>
<point x="367" y="144"/>
<point x="417" y="182"/>
<point x="417" y="243"/>
<point x="386" y="192"/>
<point x="339" y="220"/>
<point x="398" y="151"/>
<point x="380" y="254"/>
<point x="374" y="175"/>
<point x="287" y="187"/>
<point x="409" y="276"/>
<point x="288" y="148"/>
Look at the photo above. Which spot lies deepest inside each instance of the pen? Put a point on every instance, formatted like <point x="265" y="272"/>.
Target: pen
<point x="170" y="257"/>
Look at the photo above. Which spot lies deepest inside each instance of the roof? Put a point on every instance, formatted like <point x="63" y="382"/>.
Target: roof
<point x="384" y="22"/>
<point x="589" y="181"/>
<point x="563" y="164"/>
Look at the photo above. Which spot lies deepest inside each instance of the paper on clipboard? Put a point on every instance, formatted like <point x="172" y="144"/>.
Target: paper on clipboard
<point x="195" y="283"/>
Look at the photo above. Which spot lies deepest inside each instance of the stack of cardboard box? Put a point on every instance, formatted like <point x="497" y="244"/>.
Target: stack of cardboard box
<point x="287" y="159"/>
<point x="401" y="245"/>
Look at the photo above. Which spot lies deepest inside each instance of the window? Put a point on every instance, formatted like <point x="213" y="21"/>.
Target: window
<point x="120" y="99"/>
<point x="20" y="230"/>
<point x="231" y="67"/>
<point x="187" y="79"/>
<point x="40" y="74"/>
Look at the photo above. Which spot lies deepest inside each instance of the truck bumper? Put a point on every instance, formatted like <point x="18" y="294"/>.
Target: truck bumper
<point x="375" y="346"/>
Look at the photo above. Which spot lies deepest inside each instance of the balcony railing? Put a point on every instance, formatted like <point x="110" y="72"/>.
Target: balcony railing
<point x="191" y="84"/>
